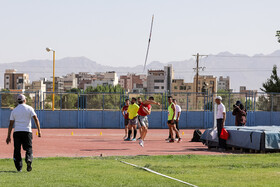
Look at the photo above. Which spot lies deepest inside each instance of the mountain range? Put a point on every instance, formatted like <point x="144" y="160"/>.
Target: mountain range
<point x="243" y="70"/>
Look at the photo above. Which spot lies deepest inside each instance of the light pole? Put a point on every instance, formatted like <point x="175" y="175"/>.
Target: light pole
<point x="48" y="50"/>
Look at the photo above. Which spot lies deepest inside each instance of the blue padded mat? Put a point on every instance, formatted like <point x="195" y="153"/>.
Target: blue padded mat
<point x="257" y="137"/>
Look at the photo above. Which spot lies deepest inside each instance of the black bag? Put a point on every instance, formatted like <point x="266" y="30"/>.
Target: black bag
<point x="196" y="136"/>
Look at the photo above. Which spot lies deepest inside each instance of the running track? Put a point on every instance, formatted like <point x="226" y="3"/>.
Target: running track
<point x="89" y="142"/>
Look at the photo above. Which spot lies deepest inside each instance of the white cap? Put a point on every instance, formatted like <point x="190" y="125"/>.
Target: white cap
<point x="20" y="97"/>
<point x="219" y="97"/>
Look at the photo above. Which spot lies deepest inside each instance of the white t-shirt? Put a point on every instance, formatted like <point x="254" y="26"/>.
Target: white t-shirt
<point x="22" y="115"/>
<point x="220" y="110"/>
<point x="178" y="109"/>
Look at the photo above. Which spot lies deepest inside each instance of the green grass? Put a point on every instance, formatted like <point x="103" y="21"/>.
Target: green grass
<point x="229" y="170"/>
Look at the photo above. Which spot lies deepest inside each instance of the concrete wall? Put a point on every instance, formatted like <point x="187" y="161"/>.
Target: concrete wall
<point x="157" y="119"/>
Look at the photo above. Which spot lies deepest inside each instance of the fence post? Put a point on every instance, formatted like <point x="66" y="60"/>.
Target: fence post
<point x="103" y="111"/>
<point x="271" y="111"/>
<point x="78" y="108"/>
<point x="0" y="108"/>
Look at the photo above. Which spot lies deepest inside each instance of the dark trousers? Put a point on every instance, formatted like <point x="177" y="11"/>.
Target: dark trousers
<point x="23" y="139"/>
<point x="222" y="142"/>
<point x="177" y="127"/>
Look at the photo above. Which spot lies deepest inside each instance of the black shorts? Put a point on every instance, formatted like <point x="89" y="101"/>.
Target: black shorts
<point x="126" y="122"/>
<point x="169" y="122"/>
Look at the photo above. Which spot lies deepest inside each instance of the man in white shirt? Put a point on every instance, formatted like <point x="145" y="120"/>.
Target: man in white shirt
<point x="221" y="118"/>
<point x="178" y="114"/>
<point x="21" y="119"/>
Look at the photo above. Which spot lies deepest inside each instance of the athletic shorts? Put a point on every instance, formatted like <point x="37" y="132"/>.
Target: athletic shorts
<point x="133" y="121"/>
<point x="169" y="122"/>
<point x="126" y="122"/>
<point x="143" y="121"/>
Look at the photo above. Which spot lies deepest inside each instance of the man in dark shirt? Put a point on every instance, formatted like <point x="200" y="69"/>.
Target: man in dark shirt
<point x="240" y="114"/>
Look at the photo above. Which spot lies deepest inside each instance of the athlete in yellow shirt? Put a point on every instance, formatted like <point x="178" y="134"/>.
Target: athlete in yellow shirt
<point x="132" y="115"/>
<point x="171" y="118"/>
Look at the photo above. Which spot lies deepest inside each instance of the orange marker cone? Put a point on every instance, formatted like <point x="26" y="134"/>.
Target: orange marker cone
<point x="72" y="133"/>
<point x="100" y="133"/>
<point x="183" y="133"/>
<point x="37" y="133"/>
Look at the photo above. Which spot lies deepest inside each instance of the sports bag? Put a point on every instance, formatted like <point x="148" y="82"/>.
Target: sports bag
<point x="224" y="134"/>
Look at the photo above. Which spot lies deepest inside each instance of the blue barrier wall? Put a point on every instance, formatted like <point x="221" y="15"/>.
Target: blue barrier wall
<point x="157" y="119"/>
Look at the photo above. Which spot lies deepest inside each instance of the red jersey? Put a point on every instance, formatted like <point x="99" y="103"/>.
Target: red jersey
<point x="125" y="111"/>
<point x="141" y="111"/>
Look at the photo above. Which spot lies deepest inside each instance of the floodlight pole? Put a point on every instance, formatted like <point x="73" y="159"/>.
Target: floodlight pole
<point x="48" y="50"/>
<point x="53" y="80"/>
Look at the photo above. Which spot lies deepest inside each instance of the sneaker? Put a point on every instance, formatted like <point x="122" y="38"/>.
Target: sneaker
<point x="133" y="140"/>
<point x="167" y="139"/>
<point x="139" y="138"/>
<point x="141" y="143"/>
<point x="179" y="140"/>
<point x="176" y="139"/>
<point x="29" y="168"/>
<point x="171" y="141"/>
<point x="127" y="139"/>
<point x="19" y="170"/>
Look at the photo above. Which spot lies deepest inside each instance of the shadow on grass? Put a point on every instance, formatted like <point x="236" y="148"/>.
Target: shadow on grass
<point x="8" y="172"/>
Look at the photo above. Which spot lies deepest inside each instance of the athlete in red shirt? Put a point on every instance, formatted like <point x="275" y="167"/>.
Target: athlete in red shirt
<point x="143" y="112"/>
<point x="125" y="115"/>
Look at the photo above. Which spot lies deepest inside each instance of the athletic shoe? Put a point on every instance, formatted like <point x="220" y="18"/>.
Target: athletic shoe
<point x="167" y="139"/>
<point x="176" y="139"/>
<point x="29" y="168"/>
<point x="141" y="143"/>
<point x="179" y="140"/>
<point x="133" y="140"/>
<point x="127" y="139"/>
<point x="19" y="170"/>
<point x="171" y="141"/>
<point x="139" y="138"/>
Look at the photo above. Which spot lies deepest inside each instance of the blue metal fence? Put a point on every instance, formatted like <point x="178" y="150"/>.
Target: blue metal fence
<point x="93" y="110"/>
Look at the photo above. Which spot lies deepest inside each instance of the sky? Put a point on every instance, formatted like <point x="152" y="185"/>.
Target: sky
<point x="115" y="32"/>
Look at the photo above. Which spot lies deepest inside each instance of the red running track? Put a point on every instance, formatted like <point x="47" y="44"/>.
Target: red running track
<point x="89" y="142"/>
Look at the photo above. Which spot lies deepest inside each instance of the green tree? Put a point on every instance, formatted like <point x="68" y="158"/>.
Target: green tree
<point x="273" y="83"/>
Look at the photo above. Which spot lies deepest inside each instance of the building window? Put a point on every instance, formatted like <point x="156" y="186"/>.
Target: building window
<point x="156" y="87"/>
<point x="175" y="87"/>
<point x="7" y="77"/>
<point x="189" y="87"/>
<point x="212" y="82"/>
<point x="182" y="87"/>
<point x="198" y="82"/>
<point x="161" y="81"/>
<point x="162" y="87"/>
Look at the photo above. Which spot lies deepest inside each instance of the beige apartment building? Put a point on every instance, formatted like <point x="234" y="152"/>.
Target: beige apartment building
<point x="185" y="93"/>
<point x="14" y="80"/>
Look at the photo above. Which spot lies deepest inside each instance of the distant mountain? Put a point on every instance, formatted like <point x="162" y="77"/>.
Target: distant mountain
<point x="250" y="71"/>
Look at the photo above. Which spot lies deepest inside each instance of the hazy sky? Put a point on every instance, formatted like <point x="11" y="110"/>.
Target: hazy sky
<point x="115" y="32"/>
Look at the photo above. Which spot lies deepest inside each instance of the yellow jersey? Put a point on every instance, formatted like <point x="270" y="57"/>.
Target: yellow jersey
<point x="132" y="110"/>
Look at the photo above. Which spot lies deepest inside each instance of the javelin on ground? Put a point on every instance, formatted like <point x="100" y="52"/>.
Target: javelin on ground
<point x="150" y="36"/>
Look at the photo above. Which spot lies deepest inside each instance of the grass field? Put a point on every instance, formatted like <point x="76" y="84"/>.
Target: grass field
<point x="200" y="170"/>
